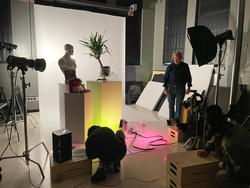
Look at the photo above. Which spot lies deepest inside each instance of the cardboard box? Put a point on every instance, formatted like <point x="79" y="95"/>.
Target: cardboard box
<point x="188" y="168"/>
<point x="175" y="134"/>
<point x="79" y="165"/>
<point x="172" y="183"/>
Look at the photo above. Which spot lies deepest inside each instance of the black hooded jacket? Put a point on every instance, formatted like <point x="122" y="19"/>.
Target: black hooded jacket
<point x="102" y="143"/>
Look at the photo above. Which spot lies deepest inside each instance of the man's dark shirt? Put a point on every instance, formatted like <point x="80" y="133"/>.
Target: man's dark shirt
<point x="177" y="75"/>
<point x="105" y="145"/>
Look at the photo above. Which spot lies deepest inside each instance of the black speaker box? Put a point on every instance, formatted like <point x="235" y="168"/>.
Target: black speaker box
<point x="62" y="145"/>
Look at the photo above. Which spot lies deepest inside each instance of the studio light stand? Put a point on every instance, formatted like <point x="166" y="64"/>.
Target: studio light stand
<point x="204" y="44"/>
<point x="22" y="63"/>
<point x="26" y="153"/>
<point x="11" y="120"/>
<point x="219" y="75"/>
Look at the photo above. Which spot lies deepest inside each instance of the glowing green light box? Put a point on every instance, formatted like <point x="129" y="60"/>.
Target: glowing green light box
<point x="107" y="103"/>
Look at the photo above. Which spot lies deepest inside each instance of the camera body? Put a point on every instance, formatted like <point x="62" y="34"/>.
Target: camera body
<point x="195" y="100"/>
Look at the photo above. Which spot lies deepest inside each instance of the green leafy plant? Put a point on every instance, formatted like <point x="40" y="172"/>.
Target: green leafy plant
<point x="97" y="46"/>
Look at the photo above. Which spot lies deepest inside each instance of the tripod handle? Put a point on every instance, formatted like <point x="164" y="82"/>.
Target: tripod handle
<point x="26" y="85"/>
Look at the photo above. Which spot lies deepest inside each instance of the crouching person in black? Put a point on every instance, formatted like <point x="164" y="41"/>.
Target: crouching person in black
<point x="230" y="143"/>
<point x="110" y="148"/>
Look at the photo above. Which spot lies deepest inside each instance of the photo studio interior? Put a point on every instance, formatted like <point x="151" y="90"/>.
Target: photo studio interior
<point x="125" y="93"/>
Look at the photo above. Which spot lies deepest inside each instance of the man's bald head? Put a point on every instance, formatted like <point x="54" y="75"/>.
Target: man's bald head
<point x="177" y="57"/>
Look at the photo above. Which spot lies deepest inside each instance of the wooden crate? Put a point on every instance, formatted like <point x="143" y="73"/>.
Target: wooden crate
<point x="74" y="167"/>
<point x="175" y="134"/>
<point x="172" y="183"/>
<point x="188" y="168"/>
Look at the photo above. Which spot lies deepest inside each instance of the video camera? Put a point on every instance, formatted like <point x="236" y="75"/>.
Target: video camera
<point x="195" y="100"/>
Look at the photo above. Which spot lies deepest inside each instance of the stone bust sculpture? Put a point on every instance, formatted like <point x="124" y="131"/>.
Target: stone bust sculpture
<point x="68" y="64"/>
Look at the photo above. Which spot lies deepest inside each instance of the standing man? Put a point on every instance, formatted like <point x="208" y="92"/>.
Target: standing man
<point x="176" y="77"/>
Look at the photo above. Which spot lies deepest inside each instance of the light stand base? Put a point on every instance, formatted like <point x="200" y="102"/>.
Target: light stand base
<point x="27" y="151"/>
<point x="27" y="158"/>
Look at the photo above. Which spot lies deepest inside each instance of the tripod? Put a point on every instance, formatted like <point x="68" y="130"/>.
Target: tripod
<point x="12" y="109"/>
<point x="195" y="110"/>
<point x="26" y="153"/>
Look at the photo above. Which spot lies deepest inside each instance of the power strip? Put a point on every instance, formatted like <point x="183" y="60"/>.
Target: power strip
<point x="32" y="98"/>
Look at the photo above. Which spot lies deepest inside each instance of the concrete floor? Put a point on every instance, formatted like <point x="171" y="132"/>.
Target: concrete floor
<point x="143" y="169"/>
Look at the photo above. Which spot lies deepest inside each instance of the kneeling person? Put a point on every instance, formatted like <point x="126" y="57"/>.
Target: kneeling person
<point x="110" y="148"/>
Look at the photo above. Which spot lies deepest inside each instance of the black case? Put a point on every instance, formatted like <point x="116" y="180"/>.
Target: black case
<point x="62" y="145"/>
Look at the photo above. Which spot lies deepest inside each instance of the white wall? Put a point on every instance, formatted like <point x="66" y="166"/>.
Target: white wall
<point x="245" y="57"/>
<point x="160" y="7"/>
<point x="21" y="33"/>
<point x="55" y="27"/>
<point x="144" y="71"/>
<point x="191" y="11"/>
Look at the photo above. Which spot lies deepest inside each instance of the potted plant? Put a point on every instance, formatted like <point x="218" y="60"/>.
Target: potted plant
<point x="97" y="46"/>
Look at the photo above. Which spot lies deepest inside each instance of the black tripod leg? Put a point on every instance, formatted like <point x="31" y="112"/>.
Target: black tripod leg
<point x="40" y="168"/>
<point x="38" y="145"/>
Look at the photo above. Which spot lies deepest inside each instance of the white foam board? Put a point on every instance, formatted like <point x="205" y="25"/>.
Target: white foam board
<point x="150" y="95"/>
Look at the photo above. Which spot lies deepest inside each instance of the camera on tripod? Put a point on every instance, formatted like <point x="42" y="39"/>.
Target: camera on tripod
<point x="195" y="100"/>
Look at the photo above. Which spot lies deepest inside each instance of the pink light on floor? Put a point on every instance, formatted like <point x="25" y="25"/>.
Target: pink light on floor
<point x="149" y="138"/>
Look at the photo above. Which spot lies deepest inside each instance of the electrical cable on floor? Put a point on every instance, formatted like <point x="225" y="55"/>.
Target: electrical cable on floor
<point x="114" y="185"/>
<point x="143" y="181"/>
<point x="160" y="138"/>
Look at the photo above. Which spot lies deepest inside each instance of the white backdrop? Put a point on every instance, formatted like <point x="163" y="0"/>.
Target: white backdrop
<point x="55" y="27"/>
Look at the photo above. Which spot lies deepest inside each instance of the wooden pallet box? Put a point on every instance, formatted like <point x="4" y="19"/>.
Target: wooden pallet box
<point x="188" y="168"/>
<point x="172" y="183"/>
<point x="175" y="134"/>
<point x="78" y="165"/>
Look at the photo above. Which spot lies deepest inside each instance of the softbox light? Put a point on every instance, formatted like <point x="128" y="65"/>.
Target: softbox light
<point x="204" y="44"/>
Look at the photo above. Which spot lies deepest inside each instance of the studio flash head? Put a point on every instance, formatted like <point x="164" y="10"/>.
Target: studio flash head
<point x="23" y="63"/>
